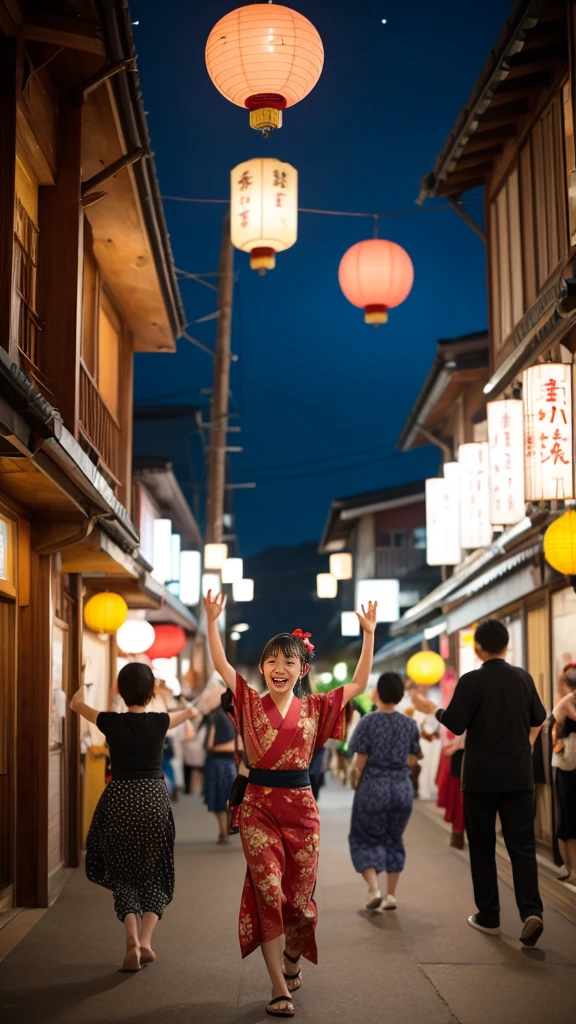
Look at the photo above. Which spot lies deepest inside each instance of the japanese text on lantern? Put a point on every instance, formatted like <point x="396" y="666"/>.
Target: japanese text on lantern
<point x="505" y="438"/>
<point x="475" y="525"/>
<point x="442" y="521"/>
<point x="548" y="457"/>
<point x="264" y="205"/>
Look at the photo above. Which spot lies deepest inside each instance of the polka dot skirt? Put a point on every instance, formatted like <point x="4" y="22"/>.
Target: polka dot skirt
<point x="130" y="846"/>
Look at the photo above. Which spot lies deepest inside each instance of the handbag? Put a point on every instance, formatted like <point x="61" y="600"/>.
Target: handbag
<point x="238" y="787"/>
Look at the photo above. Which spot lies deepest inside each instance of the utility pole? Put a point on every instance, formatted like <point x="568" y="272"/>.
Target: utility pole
<point x="220" y="393"/>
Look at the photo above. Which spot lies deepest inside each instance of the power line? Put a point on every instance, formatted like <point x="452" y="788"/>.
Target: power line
<point x="326" y="472"/>
<point x="310" y="462"/>
<point x="408" y="212"/>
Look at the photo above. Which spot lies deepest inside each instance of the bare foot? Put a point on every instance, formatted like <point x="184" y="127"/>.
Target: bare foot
<point x="292" y="973"/>
<point x="147" y="955"/>
<point x="132" y="958"/>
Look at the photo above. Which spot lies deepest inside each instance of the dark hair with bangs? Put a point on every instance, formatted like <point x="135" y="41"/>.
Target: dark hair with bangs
<point x="136" y="684"/>
<point x="291" y="647"/>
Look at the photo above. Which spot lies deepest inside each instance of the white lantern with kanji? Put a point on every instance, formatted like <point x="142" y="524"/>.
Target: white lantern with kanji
<point x="475" y="526"/>
<point x="505" y="438"/>
<point x="548" y="458"/>
<point x="264" y="209"/>
<point x="443" y="520"/>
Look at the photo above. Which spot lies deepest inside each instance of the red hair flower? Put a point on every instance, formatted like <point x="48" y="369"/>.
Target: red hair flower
<point x="305" y="638"/>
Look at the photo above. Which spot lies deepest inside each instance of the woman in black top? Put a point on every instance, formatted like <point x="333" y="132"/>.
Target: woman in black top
<point x="220" y="768"/>
<point x="130" y="845"/>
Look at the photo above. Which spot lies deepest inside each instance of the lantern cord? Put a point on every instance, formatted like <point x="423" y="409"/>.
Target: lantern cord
<point x="334" y="213"/>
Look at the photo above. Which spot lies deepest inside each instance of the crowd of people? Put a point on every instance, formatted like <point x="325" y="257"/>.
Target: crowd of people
<point x="264" y="759"/>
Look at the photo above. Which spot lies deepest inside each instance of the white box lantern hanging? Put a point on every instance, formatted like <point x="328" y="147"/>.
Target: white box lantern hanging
<point x="326" y="585"/>
<point x="341" y="566"/>
<point x="548" y="458"/>
<point x="385" y="592"/>
<point x="475" y="526"/>
<point x="506" y="441"/>
<point x="263" y="209"/>
<point x="214" y="556"/>
<point x="232" y="570"/>
<point x="162" y="570"/>
<point x="443" y="519"/>
<point x="349" y="624"/>
<point x="190" y="576"/>
<point x="243" y="590"/>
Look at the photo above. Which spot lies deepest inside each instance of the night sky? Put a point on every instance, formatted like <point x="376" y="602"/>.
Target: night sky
<point x="321" y="397"/>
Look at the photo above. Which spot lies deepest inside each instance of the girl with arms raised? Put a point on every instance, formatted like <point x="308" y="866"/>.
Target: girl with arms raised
<point x="279" y="823"/>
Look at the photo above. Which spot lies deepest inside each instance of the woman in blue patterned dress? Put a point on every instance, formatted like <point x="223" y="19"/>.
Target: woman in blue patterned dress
<point x="384" y="742"/>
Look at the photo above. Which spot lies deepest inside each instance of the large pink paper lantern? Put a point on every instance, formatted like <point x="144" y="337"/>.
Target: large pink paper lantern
<point x="264" y="57"/>
<point x="376" y="275"/>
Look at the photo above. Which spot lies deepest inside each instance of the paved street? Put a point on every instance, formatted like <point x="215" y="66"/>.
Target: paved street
<point x="421" y="965"/>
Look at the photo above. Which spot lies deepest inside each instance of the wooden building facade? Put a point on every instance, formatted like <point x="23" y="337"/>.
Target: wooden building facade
<point x="514" y="137"/>
<point x="86" y="279"/>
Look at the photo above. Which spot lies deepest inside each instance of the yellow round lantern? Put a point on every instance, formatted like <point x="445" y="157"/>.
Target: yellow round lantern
<point x="425" y="668"/>
<point x="560" y="544"/>
<point x="105" y="612"/>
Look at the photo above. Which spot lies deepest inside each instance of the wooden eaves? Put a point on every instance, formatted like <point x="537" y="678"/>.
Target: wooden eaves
<point x="531" y="51"/>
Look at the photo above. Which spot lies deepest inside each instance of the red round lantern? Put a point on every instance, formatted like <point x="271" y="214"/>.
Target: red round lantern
<point x="169" y="640"/>
<point x="376" y="275"/>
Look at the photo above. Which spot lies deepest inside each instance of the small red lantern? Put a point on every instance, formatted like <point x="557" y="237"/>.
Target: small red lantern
<point x="376" y="275"/>
<point x="169" y="641"/>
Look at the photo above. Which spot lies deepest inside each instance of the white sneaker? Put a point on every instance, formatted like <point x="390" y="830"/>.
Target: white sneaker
<point x="481" y="928"/>
<point x="390" y="903"/>
<point x="374" y="901"/>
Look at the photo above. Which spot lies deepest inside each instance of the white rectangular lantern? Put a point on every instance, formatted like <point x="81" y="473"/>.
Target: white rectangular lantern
<point x="341" y="566"/>
<point x="263" y="209"/>
<point x="326" y="585"/>
<point x="190" y="575"/>
<point x="176" y="544"/>
<point x="506" y="440"/>
<point x="386" y="592"/>
<point x="211" y="581"/>
<point x="349" y="624"/>
<point x="162" y="570"/>
<point x="232" y="570"/>
<point x="548" y="458"/>
<point x="475" y="526"/>
<point x="214" y="556"/>
<point x="443" y="518"/>
<point x="243" y="590"/>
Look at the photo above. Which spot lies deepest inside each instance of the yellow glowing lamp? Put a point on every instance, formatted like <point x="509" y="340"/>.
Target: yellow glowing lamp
<point x="105" y="612"/>
<point x="425" y="668"/>
<point x="263" y="209"/>
<point x="560" y="544"/>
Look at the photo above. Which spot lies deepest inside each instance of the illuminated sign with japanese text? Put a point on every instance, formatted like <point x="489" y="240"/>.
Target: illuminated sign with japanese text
<point x="506" y="440"/>
<point x="548" y="458"/>
<point x="475" y="525"/>
<point x="442" y="520"/>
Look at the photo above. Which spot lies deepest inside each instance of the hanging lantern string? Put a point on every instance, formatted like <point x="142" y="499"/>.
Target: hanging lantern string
<point x="334" y="213"/>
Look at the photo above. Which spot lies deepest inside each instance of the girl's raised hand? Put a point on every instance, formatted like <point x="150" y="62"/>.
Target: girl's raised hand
<point x="368" y="617"/>
<point x="214" y="605"/>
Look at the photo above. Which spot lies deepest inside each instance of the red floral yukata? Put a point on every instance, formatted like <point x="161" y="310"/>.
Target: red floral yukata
<point x="280" y="828"/>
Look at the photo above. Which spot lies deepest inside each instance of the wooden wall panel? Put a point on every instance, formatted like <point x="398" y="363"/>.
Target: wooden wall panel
<point x="33" y="715"/>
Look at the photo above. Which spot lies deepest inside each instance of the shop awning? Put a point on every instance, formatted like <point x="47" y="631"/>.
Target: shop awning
<point x="401" y="645"/>
<point x="488" y="596"/>
<point x="468" y="571"/>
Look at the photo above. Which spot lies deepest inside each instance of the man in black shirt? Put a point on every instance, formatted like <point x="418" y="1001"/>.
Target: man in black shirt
<point x="498" y="708"/>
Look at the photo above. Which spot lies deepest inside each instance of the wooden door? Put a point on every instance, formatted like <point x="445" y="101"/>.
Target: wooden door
<point x="7" y="782"/>
<point x="57" y="757"/>
<point x="539" y="669"/>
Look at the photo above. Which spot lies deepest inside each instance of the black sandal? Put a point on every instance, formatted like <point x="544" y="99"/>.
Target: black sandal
<point x="292" y="977"/>
<point x="280" y="1013"/>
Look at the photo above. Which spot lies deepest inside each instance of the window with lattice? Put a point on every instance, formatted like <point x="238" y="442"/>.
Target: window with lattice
<point x="27" y="325"/>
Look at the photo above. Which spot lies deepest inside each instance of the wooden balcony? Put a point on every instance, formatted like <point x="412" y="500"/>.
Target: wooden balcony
<point x="99" y="427"/>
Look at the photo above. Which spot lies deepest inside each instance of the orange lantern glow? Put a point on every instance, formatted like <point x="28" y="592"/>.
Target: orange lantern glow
<point x="376" y="275"/>
<point x="264" y="57"/>
<point x="169" y="641"/>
